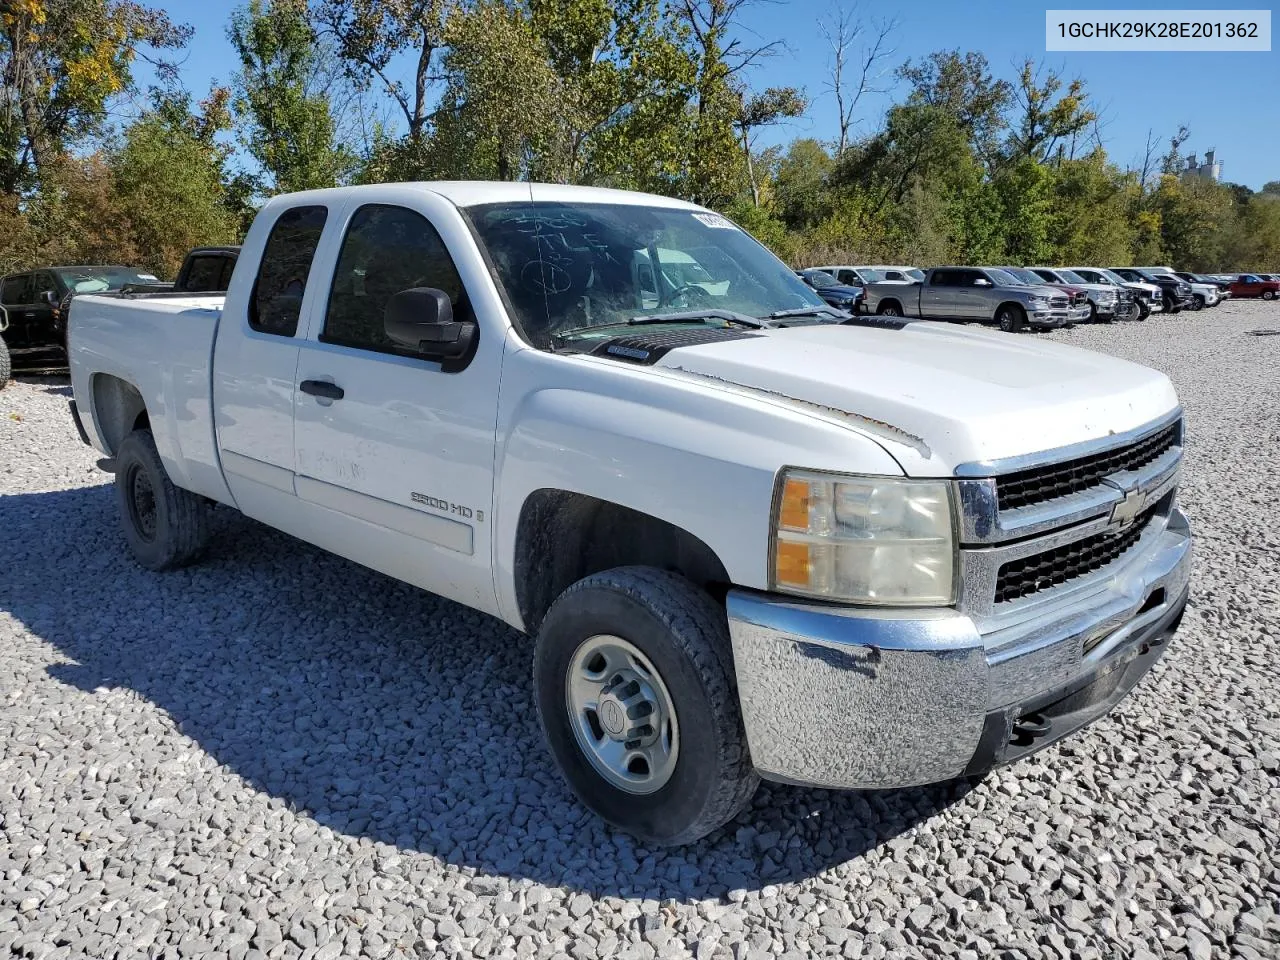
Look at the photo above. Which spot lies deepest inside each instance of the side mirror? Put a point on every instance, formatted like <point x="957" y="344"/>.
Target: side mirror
<point x="982" y="282"/>
<point x="50" y="298"/>
<point x="421" y="319"/>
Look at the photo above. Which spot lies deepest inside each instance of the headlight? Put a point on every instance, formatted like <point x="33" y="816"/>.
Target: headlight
<point x="873" y="540"/>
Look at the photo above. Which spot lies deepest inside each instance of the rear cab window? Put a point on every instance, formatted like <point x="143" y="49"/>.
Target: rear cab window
<point x="276" y="303"/>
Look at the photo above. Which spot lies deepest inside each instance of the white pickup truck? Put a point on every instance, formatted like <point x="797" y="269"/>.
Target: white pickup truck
<point x="861" y="554"/>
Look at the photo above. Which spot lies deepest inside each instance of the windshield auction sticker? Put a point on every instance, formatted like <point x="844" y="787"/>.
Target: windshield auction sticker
<point x="1156" y="30"/>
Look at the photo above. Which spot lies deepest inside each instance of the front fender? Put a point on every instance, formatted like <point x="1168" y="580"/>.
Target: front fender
<point x="694" y="455"/>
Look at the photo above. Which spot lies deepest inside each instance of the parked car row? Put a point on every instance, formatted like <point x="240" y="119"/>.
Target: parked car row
<point x="1037" y="296"/>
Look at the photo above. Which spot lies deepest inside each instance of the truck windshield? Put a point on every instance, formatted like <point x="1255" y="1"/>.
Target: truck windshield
<point x="97" y="279"/>
<point x="571" y="267"/>
<point x="1070" y="276"/>
<point x="1028" y="277"/>
<point x="916" y="274"/>
<point x="1003" y="277"/>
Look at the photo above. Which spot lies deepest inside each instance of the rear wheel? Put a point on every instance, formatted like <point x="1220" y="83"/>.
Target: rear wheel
<point x="165" y="526"/>
<point x="890" y="309"/>
<point x="633" y="676"/>
<point x="1010" y="319"/>
<point x="1268" y="294"/>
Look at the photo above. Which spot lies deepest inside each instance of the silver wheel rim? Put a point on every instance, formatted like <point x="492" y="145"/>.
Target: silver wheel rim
<point x="622" y="714"/>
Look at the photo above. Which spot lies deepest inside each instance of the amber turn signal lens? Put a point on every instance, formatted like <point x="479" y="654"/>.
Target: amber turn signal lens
<point x="793" y="513"/>
<point x="792" y="564"/>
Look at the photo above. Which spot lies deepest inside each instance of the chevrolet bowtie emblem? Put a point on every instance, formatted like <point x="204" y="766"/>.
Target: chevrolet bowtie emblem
<point x="1127" y="509"/>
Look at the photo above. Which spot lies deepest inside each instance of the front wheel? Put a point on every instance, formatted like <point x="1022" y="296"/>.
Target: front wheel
<point x="1009" y="319"/>
<point x="165" y="526"/>
<point x="1197" y="302"/>
<point x="633" y="676"/>
<point x="5" y="366"/>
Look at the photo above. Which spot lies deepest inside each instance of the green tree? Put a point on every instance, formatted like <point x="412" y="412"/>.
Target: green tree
<point x="962" y="87"/>
<point x="168" y="186"/>
<point x="288" y="125"/>
<point x="800" y="186"/>
<point x="481" y="129"/>
<point x="762" y="110"/>
<point x="370" y="34"/>
<point x="1043" y="122"/>
<point x="61" y="64"/>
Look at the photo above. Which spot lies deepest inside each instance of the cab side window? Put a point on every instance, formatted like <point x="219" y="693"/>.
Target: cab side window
<point x="276" y="303"/>
<point x="44" y="283"/>
<point x="387" y="249"/>
<point x="205" y="274"/>
<point x="15" y="289"/>
<point x="945" y="278"/>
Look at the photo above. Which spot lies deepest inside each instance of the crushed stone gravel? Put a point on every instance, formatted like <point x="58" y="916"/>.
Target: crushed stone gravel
<point x="279" y="754"/>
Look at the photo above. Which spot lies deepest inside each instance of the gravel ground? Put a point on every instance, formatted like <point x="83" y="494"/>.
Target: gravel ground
<point x="280" y="754"/>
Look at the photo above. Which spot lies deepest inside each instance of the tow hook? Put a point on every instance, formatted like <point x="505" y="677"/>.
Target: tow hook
<point x="1027" y="729"/>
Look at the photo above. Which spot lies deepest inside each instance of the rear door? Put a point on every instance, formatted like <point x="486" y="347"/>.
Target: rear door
<point x="255" y="360"/>
<point x="390" y="445"/>
<point x="938" y="294"/>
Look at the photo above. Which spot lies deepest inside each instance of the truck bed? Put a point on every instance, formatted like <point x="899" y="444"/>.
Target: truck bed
<point x="163" y="345"/>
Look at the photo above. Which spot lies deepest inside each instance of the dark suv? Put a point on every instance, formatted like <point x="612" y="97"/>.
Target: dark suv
<point x="1175" y="293"/>
<point x="33" y="301"/>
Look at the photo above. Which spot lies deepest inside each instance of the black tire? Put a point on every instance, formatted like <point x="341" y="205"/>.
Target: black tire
<point x="1093" y="313"/>
<point x="1010" y="319"/>
<point x="5" y="366"/>
<point x="1144" y="310"/>
<point x="1197" y="302"/>
<point x="165" y="526"/>
<point x="889" y="308"/>
<point x="684" y="635"/>
<point x="1268" y="294"/>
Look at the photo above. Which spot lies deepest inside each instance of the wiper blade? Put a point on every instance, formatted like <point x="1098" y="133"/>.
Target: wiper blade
<point x="697" y="316"/>
<point x="681" y="316"/>
<point x="805" y="312"/>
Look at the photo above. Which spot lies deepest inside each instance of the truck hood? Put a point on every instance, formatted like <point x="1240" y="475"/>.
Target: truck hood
<point x="936" y="395"/>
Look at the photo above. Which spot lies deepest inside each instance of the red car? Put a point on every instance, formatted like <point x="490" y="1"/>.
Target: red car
<point x="1252" y="285"/>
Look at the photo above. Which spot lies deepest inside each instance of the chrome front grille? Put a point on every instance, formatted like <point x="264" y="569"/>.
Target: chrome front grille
<point x="1058" y="565"/>
<point x="1027" y="487"/>
<point x="1037" y="531"/>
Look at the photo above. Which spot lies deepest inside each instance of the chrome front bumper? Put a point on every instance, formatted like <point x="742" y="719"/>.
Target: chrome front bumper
<point x="862" y="698"/>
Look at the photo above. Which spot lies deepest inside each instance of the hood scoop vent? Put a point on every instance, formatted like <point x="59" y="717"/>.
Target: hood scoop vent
<point x="648" y="348"/>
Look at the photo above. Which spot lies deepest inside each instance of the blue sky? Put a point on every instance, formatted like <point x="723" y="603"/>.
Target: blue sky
<point x="1230" y="101"/>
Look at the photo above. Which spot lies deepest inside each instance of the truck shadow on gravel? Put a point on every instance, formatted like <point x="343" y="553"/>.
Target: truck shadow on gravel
<point x="379" y="710"/>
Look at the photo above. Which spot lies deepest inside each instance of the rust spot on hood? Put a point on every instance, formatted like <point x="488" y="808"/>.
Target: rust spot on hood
<point x="869" y="424"/>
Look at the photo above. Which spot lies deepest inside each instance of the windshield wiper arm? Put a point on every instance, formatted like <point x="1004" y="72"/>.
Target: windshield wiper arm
<point x="681" y="316"/>
<point x="804" y="312"/>
<point x="701" y="316"/>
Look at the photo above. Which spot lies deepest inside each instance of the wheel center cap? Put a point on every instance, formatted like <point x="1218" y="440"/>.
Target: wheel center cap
<point x="612" y="717"/>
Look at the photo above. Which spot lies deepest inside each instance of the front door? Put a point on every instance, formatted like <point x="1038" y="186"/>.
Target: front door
<point x="394" y="454"/>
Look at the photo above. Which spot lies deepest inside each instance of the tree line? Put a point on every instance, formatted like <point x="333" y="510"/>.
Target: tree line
<point x="657" y="95"/>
